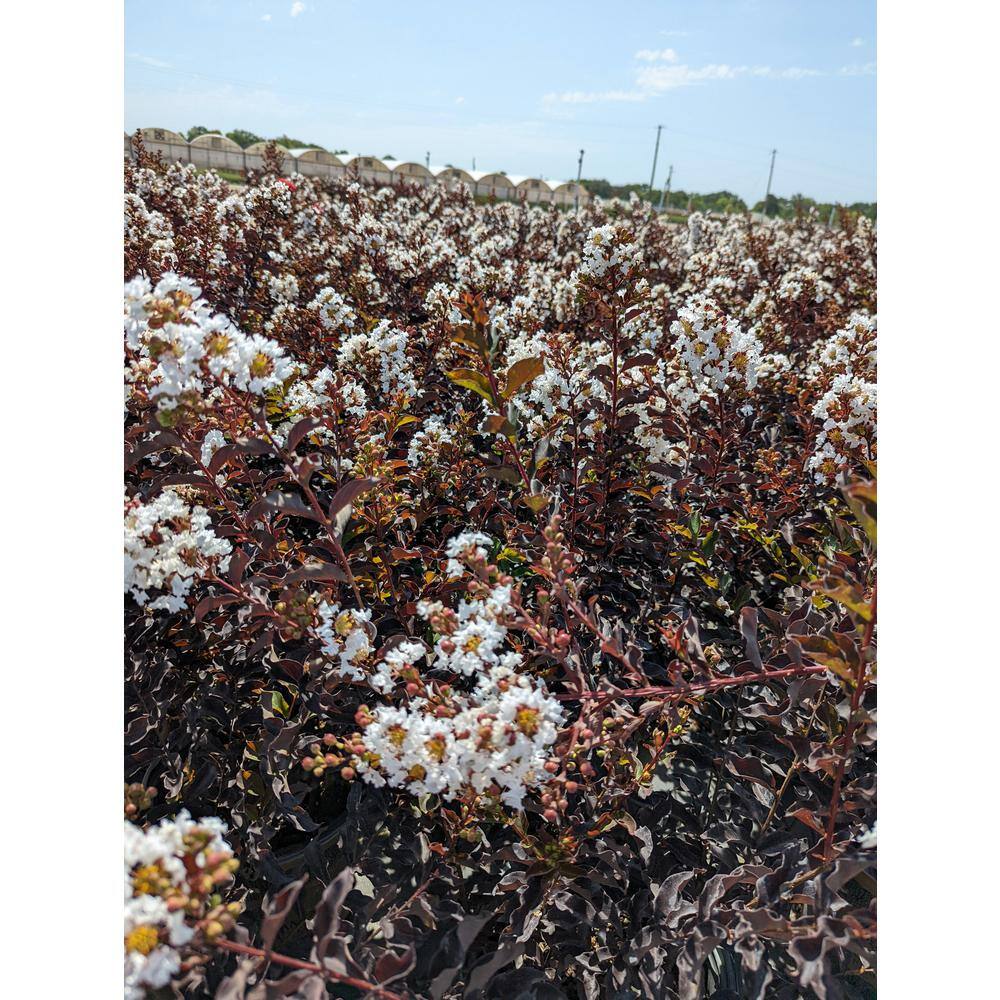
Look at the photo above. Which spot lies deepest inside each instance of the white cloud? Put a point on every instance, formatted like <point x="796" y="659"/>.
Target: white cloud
<point x="675" y="34"/>
<point x="656" y="55"/>
<point x="592" y="97"/>
<point x="658" y="79"/>
<point x="865" y="69"/>
<point x="149" y="61"/>
<point x="297" y="8"/>
<point x="856" y="43"/>
<point x="791" y="73"/>
<point x="265" y="17"/>
<point x="460" y="100"/>
<point x="658" y="71"/>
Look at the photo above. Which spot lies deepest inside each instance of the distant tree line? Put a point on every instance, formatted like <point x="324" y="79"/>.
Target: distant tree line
<point x="726" y="201"/>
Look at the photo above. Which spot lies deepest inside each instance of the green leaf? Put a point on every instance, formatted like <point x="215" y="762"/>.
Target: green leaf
<point x="695" y="522"/>
<point x="536" y="501"/>
<point x="476" y="381"/>
<point x="522" y="372"/>
<point x="278" y="705"/>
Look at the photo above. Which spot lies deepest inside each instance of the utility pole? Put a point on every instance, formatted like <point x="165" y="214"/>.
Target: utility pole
<point x="770" y="176"/>
<point x="473" y="163"/>
<point x="579" y="174"/>
<point x="428" y="161"/>
<point x="656" y="153"/>
<point x="666" y="187"/>
<point x="833" y="213"/>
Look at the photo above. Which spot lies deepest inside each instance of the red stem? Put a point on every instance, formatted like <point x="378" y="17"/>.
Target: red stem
<point x="676" y="693"/>
<point x="296" y="963"/>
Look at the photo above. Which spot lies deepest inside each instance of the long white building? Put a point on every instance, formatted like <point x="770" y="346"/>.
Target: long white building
<point x="218" y="151"/>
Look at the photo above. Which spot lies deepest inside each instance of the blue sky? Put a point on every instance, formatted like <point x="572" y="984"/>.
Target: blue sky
<point x="522" y="87"/>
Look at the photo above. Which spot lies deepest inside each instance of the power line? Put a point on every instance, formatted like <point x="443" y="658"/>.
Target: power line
<point x="549" y="123"/>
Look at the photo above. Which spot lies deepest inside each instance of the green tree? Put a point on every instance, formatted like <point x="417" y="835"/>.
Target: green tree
<point x="243" y="138"/>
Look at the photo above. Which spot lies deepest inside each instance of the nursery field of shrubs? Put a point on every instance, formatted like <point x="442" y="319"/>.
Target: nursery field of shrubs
<point x="500" y="597"/>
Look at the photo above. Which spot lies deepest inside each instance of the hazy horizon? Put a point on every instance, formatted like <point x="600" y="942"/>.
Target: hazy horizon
<point x="523" y="88"/>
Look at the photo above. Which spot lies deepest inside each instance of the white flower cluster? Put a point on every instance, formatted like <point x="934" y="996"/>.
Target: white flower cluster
<point x="427" y="444"/>
<point x="848" y="413"/>
<point x="850" y="351"/>
<point x="333" y="310"/>
<point x="380" y="356"/>
<point x="713" y="347"/>
<point x="168" y="546"/>
<point x="210" y="444"/>
<point x="192" y="350"/>
<point x="439" y="302"/>
<point x="346" y="638"/>
<point x="464" y="548"/>
<point x="474" y="635"/>
<point x="283" y="287"/>
<point x="495" y="736"/>
<point x="605" y="248"/>
<point x="159" y="863"/>
<point x="321" y="395"/>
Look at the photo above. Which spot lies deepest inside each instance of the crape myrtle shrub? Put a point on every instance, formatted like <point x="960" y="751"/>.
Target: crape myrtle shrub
<point x="500" y="597"/>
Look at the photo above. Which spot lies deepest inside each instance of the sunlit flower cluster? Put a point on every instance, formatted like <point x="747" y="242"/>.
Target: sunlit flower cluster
<point x="714" y="348"/>
<point x="495" y="737"/>
<point x="168" y="546"/>
<point x="847" y="414"/>
<point x="380" y="357"/>
<point x="448" y="741"/>
<point x="192" y="350"/>
<point x="173" y="873"/>
<point x="607" y="248"/>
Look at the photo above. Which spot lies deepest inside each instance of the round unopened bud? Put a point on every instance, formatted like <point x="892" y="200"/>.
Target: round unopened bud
<point x="550" y="815"/>
<point x="587" y="769"/>
<point x="412" y="688"/>
<point x="571" y="787"/>
<point x="587" y="734"/>
<point x="552" y="766"/>
<point x="329" y="739"/>
<point x="348" y="773"/>
<point x="307" y="763"/>
<point x="447" y="646"/>
<point x="563" y="803"/>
